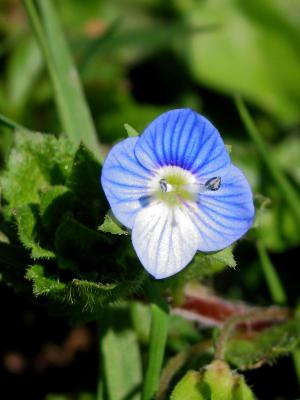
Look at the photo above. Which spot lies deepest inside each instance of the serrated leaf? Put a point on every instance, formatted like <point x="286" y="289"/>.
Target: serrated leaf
<point x="131" y="132"/>
<point x="266" y="347"/>
<point x="223" y="258"/>
<point x="76" y="294"/>
<point x="30" y="231"/>
<point x="77" y="242"/>
<point x="110" y="225"/>
<point x="84" y="182"/>
<point x="55" y="203"/>
<point x="43" y="285"/>
<point x="35" y="162"/>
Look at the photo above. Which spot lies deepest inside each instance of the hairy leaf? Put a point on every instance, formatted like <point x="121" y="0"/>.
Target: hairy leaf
<point x="35" y="162"/>
<point x="266" y="347"/>
<point x="30" y="231"/>
<point x="43" y="285"/>
<point x="110" y="225"/>
<point x="55" y="203"/>
<point x="84" y="182"/>
<point x="204" y="265"/>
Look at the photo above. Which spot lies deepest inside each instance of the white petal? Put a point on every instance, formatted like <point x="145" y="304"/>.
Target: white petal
<point x="164" y="239"/>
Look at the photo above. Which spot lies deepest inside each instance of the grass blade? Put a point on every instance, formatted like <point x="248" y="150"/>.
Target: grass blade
<point x="158" y="339"/>
<point x="9" y="123"/>
<point x="287" y="189"/>
<point x="74" y="113"/>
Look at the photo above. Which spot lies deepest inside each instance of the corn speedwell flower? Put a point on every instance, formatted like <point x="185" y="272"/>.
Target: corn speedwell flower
<point x="176" y="189"/>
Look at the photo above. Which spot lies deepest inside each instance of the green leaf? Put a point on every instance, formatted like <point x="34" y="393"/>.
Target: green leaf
<point x="122" y="367"/>
<point x="78" y="298"/>
<point x="35" y="162"/>
<point x="265" y="347"/>
<point x="287" y="154"/>
<point x="141" y="319"/>
<point x="30" y="231"/>
<point x="228" y="148"/>
<point x="141" y="41"/>
<point x="43" y="285"/>
<point x="203" y="265"/>
<point x="75" y="115"/>
<point x="75" y="244"/>
<point x="131" y="132"/>
<point x="270" y="32"/>
<point x="84" y="179"/>
<point x="110" y="225"/>
<point x="24" y="68"/>
<point x="55" y="203"/>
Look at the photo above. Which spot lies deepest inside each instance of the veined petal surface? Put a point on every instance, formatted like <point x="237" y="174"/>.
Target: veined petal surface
<point x="124" y="181"/>
<point x="223" y="216"/>
<point x="164" y="238"/>
<point x="186" y="139"/>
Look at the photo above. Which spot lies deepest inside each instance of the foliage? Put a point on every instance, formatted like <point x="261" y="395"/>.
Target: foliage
<point x="52" y="195"/>
<point x="265" y="347"/>
<point x="130" y="61"/>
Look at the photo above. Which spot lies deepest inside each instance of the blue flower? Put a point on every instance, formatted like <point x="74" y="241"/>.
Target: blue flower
<point x="176" y="189"/>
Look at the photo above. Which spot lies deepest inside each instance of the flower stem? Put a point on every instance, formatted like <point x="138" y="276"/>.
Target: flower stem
<point x="158" y="338"/>
<point x="277" y="292"/>
<point x="287" y="189"/>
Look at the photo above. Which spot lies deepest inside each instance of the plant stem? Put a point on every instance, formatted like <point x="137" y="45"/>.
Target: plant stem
<point x="287" y="189"/>
<point x="277" y="292"/>
<point x="158" y="338"/>
<point x="261" y="314"/>
<point x="272" y="279"/>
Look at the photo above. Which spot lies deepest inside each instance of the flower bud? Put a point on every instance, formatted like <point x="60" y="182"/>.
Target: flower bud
<point x="214" y="382"/>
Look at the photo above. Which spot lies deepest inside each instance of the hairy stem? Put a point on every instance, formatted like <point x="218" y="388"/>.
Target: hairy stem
<point x="261" y="314"/>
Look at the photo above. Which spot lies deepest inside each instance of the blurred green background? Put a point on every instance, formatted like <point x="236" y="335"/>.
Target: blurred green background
<point x="136" y="59"/>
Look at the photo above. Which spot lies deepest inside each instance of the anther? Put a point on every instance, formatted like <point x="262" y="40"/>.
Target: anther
<point x="163" y="185"/>
<point x="213" y="184"/>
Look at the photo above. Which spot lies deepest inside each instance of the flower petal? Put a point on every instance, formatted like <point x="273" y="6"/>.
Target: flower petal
<point x="186" y="139"/>
<point x="223" y="216"/>
<point x="164" y="239"/>
<point x="124" y="181"/>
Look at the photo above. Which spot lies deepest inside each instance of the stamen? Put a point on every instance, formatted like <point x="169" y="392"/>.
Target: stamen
<point x="213" y="184"/>
<point x="165" y="186"/>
